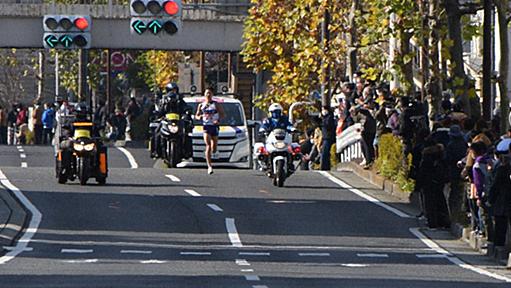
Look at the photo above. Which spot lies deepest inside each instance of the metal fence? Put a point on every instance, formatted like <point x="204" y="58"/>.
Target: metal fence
<point x="349" y="144"/>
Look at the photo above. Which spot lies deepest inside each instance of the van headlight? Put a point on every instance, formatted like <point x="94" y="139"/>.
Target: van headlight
<point x="280" y="145"/>
<point x="78" y="147"/>
<point x="89" y="147"/>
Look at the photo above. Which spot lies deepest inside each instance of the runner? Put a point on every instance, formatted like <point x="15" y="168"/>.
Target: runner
<point x="210" y="112"/>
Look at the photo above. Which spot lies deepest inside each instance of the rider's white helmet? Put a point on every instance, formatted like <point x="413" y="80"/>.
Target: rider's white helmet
<point x="275" y="107"/>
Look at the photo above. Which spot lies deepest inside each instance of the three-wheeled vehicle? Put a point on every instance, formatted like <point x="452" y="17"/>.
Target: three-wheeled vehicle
<point x="79" y="154"/>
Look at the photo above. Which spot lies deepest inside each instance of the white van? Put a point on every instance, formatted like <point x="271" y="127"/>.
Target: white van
<point x="233" y="140"/>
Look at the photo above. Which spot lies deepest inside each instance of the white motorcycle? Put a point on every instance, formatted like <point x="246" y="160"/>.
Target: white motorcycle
<point x="277" y="155"/>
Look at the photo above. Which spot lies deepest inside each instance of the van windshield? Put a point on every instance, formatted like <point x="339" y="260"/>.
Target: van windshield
<point x="233" y="114"/>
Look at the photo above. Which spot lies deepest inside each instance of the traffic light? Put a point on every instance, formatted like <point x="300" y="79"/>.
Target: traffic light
<point x="67" y="31"/>
<point x="155" y="16"/>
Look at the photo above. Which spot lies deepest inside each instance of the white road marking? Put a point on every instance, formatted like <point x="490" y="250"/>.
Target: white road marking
<point x="19" y="147"/>
<point x="11" y="248"/>
<point x="314" y="254"/>
<point x="173" y="178"/>
<point x="215" y="207"/>
<point x="259" y="286"/>
<point x="373" y="255"/>
<point x="247" y="270"/>
<point x="430" y="256"/>
<point x="254" y="253"/>
<point x="193" y="193"/>
<point x="290" y="202"/>
<point x="131" y="159"/>
<point x="455" y="260"/>
<point x="30" y="231"/>
<point x="24" y="165"/>
<point x="352" y="265"/>
<point x="153" y="261"/>
<point x="23" y="156"/>
<point x="195" y="253"/>
<point x="363" y="195"/>
<point x="21" y="150"/>
<point x="242" y="262"/>
<point x="79" y="251"/>
<point x="136" y="252"/>
<point x="233" y="232"/>
<point x="252" y="278"/>
<point x="81" y="261"/>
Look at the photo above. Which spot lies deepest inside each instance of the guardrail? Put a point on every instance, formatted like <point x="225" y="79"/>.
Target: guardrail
<point x="349" y="144"/>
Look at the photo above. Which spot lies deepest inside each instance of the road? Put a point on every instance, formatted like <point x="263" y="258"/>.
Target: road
<point x="153" y="227"/>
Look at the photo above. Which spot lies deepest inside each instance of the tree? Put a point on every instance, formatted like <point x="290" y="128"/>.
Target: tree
<point x="283" y="37"/>
<point x="502" y="11"/>
<point x="13" y="70"/>
<point x="159" y="67"/>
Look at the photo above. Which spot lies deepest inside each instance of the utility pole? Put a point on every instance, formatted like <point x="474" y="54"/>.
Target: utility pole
<point x="487" y="59"/>
<point x="202" y="71"/>
<point x="424" y="49"/>
<point x="40" y="76"/>
<point x="353" y="40"/>
<point x="108" y="82"/>
<point x="57" y="80"/>
<point x="325" y="39"/>
<point x="82" y="74"/>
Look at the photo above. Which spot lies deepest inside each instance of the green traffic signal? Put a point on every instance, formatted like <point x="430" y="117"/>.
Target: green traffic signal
<point x="139" y="27"/>
<point x="51" y="41"/>
<point x="154" y="26"/>
<point x="66" y="41"/>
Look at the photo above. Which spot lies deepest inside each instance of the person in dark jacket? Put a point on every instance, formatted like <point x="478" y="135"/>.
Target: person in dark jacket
<point x="306" y="147"/>
<point x="431" y="179"/>
<point x="328" y="131"/>
<point x="500" y="198"/>
<point x="455" y="151"/>
<point x="368" y="135"/>
<point x="406" y="127"/>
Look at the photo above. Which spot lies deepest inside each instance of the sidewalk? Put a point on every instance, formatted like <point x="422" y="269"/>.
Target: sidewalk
<point x="12" y="218"/>
<point x="452" y="241"/>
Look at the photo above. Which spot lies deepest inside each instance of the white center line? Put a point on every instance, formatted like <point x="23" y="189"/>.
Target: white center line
<point x="80" y="251"/>
<point x="195" y="253"/>
<point x="314" y="254"/>
<point x="153" y="262"/>
<point x="31" y="230"/>
<point x="233" y="232"/>
<point x="242" y="262"/>
<point x="24" y="165"/>
<point x="136" y="252"/>
<point x="252" y="278"/>
<point x="215" y="207"/>
<point x="193" y="193"/>
<point x="247" y="270"/>
<point x="173" y="178"/>
<point x="352" y="265"/>
<point x="81" y="261"/>
<point x="131" y="159"/>
<point x="23" y="156"/>
<point x="254" y="253"/>
<point x="373" y="255"/>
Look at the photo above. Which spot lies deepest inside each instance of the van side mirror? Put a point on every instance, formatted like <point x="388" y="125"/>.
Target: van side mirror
<point x="251" y="123"/>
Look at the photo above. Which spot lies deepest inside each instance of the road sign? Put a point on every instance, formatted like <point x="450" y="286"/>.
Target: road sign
<point x="67" y="31"/>
<point x="154" y="16"/>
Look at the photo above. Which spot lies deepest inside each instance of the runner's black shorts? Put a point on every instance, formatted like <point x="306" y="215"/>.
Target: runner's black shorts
<point x="212" y="130"/>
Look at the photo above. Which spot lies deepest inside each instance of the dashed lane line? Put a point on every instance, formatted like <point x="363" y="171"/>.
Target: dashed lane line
<point x="11" y="248"/>
<point x="131" y="159"/>
<point x="314" y="254"/>
<point x="84" y="261"/>
<point x="153" y="261"/>
<point x="136" y="252"/>
<point x="373" y="255"/>
<point x="195" y="253"/>
<point x="192" y="193"/>
<point x="254" y="254"/>
<point x="24" y="165"/>
<point x="77" y="251"/>
<point x="252" y="278"/>
<point x="33" y="225"/>
<point x="215" y="207"/>
<point x="23" y="156"/>
<point x="247" y="270"/>
<point x="259" y="286"/>
<point x="364" y="195"/>
<point x="242" y="262"/>
<point x="232" y="232"/>
<point x="173" y="178"/>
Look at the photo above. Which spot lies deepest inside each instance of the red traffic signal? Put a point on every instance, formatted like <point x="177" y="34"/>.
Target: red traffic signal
<point x="171" y="7"/>
<point x="81" y="23"/>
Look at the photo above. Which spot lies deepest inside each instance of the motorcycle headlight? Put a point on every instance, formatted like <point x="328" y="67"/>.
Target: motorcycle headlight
<point x="89" y="147"/>
<point x="173" y="129"/>
<point x="280" y="145"/>
<point x="78" y="147"/>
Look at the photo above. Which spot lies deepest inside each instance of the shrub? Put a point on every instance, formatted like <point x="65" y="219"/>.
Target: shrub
<point x="391" y="163"/>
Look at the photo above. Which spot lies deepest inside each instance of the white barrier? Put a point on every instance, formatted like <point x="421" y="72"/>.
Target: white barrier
<point x="349" y="144"/>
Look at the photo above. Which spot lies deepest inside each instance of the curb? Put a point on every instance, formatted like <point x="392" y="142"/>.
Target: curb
<point x="502" y="255"/>
<point x="16" y="221"/>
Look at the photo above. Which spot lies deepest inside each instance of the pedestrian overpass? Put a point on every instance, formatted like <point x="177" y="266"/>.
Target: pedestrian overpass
<point x="216" y="26"/>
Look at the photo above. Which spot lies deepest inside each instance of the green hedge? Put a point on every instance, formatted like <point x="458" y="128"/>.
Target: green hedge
<point x="391" y="163"/>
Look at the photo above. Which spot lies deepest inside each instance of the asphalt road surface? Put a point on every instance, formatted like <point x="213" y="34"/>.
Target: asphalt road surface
<point x="152" y="227"/>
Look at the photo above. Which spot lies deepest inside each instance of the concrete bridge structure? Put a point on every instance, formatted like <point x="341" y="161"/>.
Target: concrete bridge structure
<point x="209" y="27"/>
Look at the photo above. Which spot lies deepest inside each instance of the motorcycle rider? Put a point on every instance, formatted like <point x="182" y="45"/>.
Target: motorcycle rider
<point x="81" y="114"/>
<point x="277" y="120"/>
<point x="172" y="102"/>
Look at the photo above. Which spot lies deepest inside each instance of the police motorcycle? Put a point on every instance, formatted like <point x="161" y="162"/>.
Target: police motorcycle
<point x="79" y="155"/>
<point x="172" y="142"/>
<point x="277" y="155"/>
